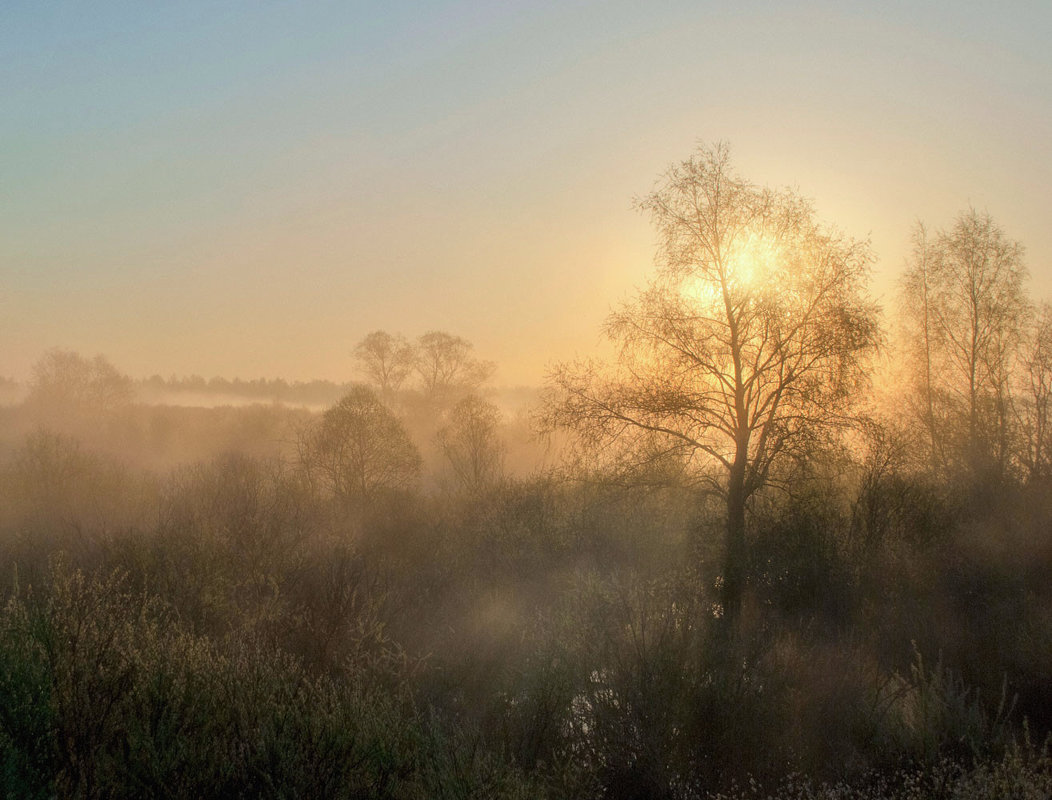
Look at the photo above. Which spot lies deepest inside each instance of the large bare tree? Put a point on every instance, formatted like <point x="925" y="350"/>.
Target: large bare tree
<point x="750" y="340"/>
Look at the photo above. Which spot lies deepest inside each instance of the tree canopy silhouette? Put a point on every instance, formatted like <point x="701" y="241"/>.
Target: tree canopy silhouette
<point x="385" y="359"/>
<point x="358" y="450"/>
<point x="748" y="343"/>
<point x="65" y="381"/>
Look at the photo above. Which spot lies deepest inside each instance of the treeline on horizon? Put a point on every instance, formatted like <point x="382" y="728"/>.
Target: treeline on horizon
<point x="217" y="390"/>
<point x="723" y="564"/>
<point x="157" y="389"/>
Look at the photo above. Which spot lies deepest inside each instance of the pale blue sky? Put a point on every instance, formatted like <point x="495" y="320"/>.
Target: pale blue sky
<point x="248" y="188"/>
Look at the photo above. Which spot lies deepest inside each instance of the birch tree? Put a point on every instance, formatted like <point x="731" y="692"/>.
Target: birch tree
<point x="750" y="340"/>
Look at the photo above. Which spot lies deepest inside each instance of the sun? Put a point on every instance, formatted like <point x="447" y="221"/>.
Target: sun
<point x="753" y="266"/>
<point x="753" y="263"/>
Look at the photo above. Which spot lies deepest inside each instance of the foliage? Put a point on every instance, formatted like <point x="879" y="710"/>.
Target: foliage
<point x="105" y="696"/>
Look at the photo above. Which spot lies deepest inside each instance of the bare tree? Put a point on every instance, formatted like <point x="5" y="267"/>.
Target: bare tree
<point x="358" y="450"/>
<point x="915" y="292"/>
<point x="971" y="321"/>
<point x="447" y="366"/>
<point x="471" y="444"/>
<point x="1034" y="406"/>
<point x="67" y="381"/>
<point x="750" y="341"/>
<point x="386" y="360"/>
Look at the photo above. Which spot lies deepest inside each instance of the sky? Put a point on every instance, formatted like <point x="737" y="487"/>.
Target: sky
<point x="246" y="189"/>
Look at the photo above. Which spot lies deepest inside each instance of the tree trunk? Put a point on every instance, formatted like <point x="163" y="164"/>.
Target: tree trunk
<point x="734" y="557"/>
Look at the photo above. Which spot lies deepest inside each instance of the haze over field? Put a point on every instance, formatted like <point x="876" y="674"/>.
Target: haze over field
<point x="248" y="189"/>
<point x="563" y="401"/>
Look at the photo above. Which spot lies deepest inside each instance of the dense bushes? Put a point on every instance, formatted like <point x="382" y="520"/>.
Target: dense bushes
<point x="104" y="694"/>
<point x="225" y="629"/>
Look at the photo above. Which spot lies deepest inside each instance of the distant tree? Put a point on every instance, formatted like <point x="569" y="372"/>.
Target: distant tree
<point x="1034" y="402"/>
<point x="358" y="450"/>
<point x="965" y="306"/>
<point x="385" y="359"/>
<point x="751" y="340"/>
<point x="916" y="303"/>
<point x="64" y="380"/>
<point x="471" y="444"/>
<point x="447" y="367"/>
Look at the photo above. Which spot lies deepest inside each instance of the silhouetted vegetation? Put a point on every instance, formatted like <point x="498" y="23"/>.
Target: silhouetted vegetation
<point x="395" y="597"/>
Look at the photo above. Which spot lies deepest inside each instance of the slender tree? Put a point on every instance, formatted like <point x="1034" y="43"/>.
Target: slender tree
<point x="1034" y="406"/>
<point x="916" y="290"/>
<point x="966" y="306"/>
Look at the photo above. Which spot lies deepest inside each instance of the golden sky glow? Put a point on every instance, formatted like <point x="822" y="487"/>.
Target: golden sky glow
<point x="248" y="189"/>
